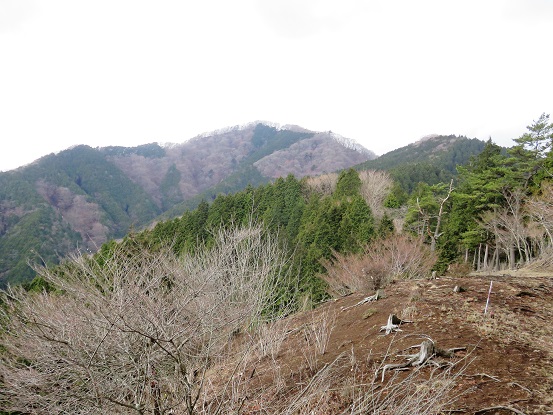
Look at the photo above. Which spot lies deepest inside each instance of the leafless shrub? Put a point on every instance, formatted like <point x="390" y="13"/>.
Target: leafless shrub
<point x="139" y="334"/>
<point x="398" y="256"/>
<point x="413" y="395"/>
<point x="310" y="356"/>
<point x="270" y="337"/>
<point x="540" y="210"/>
<point x="315" y="393"/>
<point x="427" y="390"/>
<point x="318" y="331"/>
<point x="459" y="269"/>
<point x="544" y="262"/>
<point x="347" y="273"/>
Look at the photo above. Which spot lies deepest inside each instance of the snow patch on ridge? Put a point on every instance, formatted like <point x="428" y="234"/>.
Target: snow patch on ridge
<point x="350" y="143"/>
<point x="346" y="142"/>
<point x="168" y="145"/>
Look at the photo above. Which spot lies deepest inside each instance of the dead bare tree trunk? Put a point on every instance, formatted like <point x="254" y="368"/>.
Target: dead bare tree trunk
<point x="437" y="234"/>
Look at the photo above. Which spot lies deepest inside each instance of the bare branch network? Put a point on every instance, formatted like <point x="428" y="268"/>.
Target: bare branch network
<point x="138" y="334"/>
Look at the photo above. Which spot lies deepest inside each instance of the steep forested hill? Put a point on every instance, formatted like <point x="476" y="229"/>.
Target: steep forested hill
<point x="83" y="196"/>
<point x="433" y="159"/>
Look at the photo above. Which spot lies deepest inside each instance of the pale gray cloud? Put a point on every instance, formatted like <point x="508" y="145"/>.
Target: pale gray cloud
<point x="529" y="10"/>
<point x="14" y="12"/>
<point x="385" y="73"/>
<point x="297" y="19"/>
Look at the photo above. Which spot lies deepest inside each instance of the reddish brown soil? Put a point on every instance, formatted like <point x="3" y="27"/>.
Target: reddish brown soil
<point x="509" y="351"/>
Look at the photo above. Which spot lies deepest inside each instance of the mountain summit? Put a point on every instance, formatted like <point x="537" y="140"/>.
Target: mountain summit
<point x="257" y="151"/>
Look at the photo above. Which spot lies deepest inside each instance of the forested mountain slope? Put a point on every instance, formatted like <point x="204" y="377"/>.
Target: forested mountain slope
<point x="432" y="159"/>
<point x="83" y="196"/>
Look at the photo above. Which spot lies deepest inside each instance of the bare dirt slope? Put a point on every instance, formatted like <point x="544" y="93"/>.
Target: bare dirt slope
<point x="507" y="364"/>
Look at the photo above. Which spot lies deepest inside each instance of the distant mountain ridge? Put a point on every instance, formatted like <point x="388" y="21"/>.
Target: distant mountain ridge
<point x="432" y="159"/>
<point x="346" y="142"/>
<point x="83" y="196"/>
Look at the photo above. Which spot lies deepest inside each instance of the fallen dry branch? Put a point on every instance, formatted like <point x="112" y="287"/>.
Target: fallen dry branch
<point x="495" y="408"/>
<point x="520" y="386"/>
<point x="393" y="324"/>
<point x="425" y="355"/>
<point x="484" y="375"/>
<point x="376" y="296"/>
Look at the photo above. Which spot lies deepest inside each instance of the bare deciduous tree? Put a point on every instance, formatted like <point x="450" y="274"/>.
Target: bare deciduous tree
<point x="324" y="184"/>
<point x="514" y="233"/>
<point x="540" y="210"/>
<point x="138" y="334"/>
<point x="375" y="187"/>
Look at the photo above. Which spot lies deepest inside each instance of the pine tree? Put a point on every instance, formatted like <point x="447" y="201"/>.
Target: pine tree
<point x="532" y="149"/>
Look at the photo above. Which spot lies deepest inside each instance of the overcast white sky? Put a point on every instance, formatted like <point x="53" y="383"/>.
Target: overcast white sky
<point x="385" y="73"/>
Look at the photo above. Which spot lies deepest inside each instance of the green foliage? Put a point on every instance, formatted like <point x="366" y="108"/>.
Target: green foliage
<point x="485" y="184"/>
<point x="31" y="227"/>
<point x="385" y="227"/>
<point x="410" y="175"/>
<point x="348" y="184"/>
<point x="313" y="229"/>
<point x="532" y="152"/>
<point x="152" y="150"/>
<point x="357" y="225"/>
<point x="38" y="285"/>
<point x="341" y="223"/>
<point x="266" y="140"/>
<point x="539" y="138"/>
<point x="431" y="161"/>
<point x="34" y="238"/>
<point x="283" y="205"/>
<point x="86" y="171"/>
<point x="170" y="188"/>
<point x="397" y="196"/>
<point x="481" y="187"/>
<point x="422" y="206"/>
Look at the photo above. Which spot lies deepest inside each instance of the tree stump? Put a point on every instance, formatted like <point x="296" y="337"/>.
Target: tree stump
<point x="427" y="351"/>
<point x="393" y="324"/>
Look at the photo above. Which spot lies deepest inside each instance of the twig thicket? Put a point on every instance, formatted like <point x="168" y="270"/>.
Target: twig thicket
<point x="137" y="334"/>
